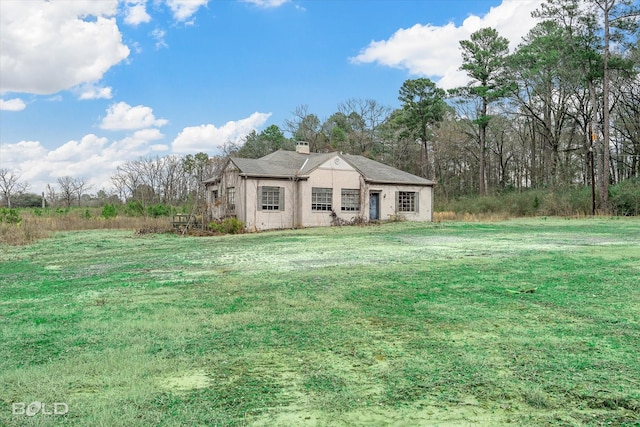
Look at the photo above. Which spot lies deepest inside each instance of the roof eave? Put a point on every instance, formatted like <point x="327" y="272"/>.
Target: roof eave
<point x="267" y="176"/>
<point x="420" y="184"/>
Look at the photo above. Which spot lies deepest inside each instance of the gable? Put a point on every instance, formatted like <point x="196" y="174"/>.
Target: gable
<point x="337" y="163"/>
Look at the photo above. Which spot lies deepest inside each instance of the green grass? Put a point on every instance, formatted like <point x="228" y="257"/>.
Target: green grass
<point x="523" y="322"/>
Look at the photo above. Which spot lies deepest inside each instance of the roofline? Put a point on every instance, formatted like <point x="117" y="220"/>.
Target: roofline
<point x="418" y="184"/>
<point x="262" y="175"/>
<point x="429" y="183"/>
<point x="373" y="181"/>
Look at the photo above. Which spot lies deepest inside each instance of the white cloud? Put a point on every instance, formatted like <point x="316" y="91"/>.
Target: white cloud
<point x="136" y="12"/>
<point x="159" y="35"/>
<point x="49" y="46"/>
<point x="209" y="138"/>
<point x="93" y="91"/>
<point x="15" y="104"/>
<point x="12" y="154"/>
<point x="185" y="9"/>
<point x="434" y="51"/>
<point x="122" y="116"/>
<point x="267" y="3"/>
<point x="76" y="151"/>
<point x="92" y="157"/>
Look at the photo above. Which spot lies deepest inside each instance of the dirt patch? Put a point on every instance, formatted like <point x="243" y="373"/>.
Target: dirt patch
<point x="186" y="381"/>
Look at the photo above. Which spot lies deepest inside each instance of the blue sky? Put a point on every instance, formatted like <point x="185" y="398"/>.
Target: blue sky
<point x="86" y="85"/>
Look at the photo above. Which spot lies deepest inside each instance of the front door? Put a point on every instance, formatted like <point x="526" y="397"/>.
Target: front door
<point x="374" y="206"/>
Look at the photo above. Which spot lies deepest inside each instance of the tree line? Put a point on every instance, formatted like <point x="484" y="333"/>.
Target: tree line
<point x="562" y="110"/>
<point x="171" y="180"/>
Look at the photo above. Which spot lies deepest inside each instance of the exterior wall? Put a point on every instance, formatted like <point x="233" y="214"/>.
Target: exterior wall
<point x="336" y="174"/>
<point x="388" y="208"/>
<point x="220" y="208"/>
<point x="256" y="219"/>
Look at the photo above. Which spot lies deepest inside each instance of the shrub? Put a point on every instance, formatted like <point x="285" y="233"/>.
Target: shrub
<point x="10" y="216"/>
<point x="557" y="201"/>
<point x="134" y="208"/>
<point x="227" y="226"/>
<point x="109" y="211"/>
<point x="159" y="210"/>
<point x="625" y="198"/>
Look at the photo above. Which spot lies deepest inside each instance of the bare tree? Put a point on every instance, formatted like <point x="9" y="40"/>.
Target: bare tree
<point x="305" y="127"/>
<point x="67" y="189"/>
<point x="81" y="185"/>
<point x="10" y="184"/>
<point x="51" y="194"/>
<point x="365" y="117"/>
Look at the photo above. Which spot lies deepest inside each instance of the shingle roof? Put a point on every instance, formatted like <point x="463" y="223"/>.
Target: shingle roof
<point x="379" y="172"/>
<point x="284" y="164"/>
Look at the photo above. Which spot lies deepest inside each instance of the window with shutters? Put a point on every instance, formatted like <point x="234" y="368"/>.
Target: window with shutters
<point x="350" y="201"/>
<point x="321" y="199"/>
<point x="406" y="201"/>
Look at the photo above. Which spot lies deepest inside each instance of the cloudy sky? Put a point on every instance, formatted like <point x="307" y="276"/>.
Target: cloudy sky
<point x="86" y="85"/>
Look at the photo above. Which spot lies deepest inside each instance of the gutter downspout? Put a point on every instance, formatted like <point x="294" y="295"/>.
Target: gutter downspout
<point x="296" y="186"/>
<point x="244" y="214"/>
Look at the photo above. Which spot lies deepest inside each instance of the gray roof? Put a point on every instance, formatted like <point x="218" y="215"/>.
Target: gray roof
<point x="384" y="174"/>
<point x="289" y="164"/>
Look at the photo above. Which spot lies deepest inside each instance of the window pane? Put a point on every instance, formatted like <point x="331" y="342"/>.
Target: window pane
<point x="321" y="199"/>
<point x="406" y="201"/>
<point x="270" y="198"/>
<point x="350" y="200"/>
<point x="231" y="199"/>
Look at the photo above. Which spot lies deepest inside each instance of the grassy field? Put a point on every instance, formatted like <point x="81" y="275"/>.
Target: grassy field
<point x="523" y="322"/>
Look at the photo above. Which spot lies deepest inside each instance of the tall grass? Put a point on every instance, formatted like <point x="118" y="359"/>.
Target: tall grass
<point x="624" y="200"/>
<point x="37" y="224"/>
<point x="564" y="202"/>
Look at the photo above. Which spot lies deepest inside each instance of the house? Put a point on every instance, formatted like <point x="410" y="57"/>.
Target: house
<point x="290" y="189"/>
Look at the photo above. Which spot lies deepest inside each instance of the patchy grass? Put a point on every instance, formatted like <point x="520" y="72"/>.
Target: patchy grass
<point x="524" y="322"/>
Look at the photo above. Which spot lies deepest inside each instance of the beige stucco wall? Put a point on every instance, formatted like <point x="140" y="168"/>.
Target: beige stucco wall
<point x="335" y="174"/>
<point x="388" y="208"/>
<point x="255" y="219"/>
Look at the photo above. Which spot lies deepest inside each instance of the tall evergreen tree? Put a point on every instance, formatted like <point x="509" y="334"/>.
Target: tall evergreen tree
<point x="484" y="59"/>
<point x="423" y="106"/>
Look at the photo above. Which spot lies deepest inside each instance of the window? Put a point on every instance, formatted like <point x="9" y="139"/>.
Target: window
<point x="350" y="200"/>
<point x="231" y="199"/>
<point x="407" y="201"/>
<point x="271" y="198"/>
<point x="214" y="195"/>
<point x="321" y="199"/>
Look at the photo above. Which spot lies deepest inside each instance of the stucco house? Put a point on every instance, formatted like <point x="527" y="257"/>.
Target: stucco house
<point x="290" y="189"/>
